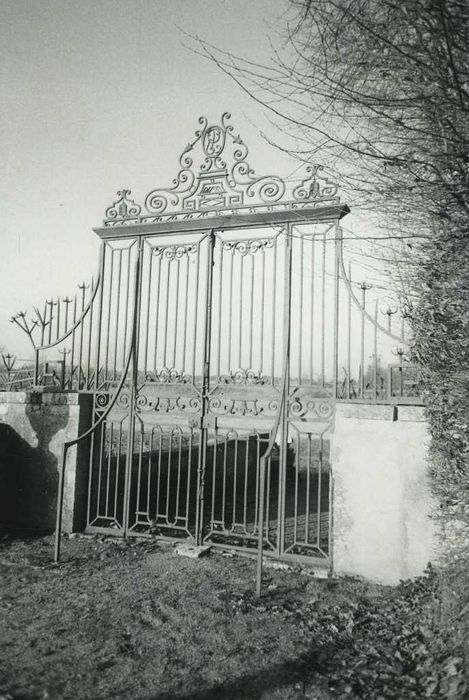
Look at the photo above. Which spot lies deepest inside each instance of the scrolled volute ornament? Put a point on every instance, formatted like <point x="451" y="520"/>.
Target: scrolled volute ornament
<point x="123" y="207"/>
<point x="314" y="187"/>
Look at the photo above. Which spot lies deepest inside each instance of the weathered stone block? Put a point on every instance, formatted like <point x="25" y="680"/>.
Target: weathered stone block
<point x="33" y="428"/>
<point x="191" y="550"/>
<point x="382" y="505"/>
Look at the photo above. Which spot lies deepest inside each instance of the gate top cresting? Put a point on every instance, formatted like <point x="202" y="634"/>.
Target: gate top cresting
<point x="216" y="188"/>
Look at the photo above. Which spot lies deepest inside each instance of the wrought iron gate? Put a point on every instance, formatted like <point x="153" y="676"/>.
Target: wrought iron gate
<point x="178" y="453"/>
<point x="217" y="313"/>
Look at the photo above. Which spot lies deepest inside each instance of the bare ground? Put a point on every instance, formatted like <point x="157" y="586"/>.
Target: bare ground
<point x="130" y="620"/>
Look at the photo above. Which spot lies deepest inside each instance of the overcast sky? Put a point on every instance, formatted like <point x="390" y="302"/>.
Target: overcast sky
<point x="97" y="95"/>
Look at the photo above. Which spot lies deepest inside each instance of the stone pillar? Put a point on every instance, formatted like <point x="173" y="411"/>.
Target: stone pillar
<point x="33" y="427"/>
<point x="382" y="505"/>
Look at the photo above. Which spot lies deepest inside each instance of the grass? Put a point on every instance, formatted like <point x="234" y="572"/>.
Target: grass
<point x="130" y="620"/>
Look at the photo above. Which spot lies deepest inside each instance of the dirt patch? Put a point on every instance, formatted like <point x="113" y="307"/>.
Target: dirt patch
<point x="130" y="620"/>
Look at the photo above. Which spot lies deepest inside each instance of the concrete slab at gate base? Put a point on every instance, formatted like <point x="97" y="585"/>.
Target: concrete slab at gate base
<point x="382" y="505"/>
<point x="33" y="428"/>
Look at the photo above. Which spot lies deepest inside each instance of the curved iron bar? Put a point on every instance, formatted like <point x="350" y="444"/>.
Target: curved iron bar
<point x="104" y="415"/>
<point x="71" y="443"/>
<point x="357" y="303"/>
<point x="82" y="315"/>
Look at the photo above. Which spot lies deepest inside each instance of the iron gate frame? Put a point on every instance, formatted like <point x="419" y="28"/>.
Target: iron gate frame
<point x="331" y="216"/>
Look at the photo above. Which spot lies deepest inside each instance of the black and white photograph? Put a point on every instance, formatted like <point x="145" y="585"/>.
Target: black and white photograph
<point x="234" y="349"/>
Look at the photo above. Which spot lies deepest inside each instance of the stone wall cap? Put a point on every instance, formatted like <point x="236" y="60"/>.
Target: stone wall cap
<point x="12" y="396"/>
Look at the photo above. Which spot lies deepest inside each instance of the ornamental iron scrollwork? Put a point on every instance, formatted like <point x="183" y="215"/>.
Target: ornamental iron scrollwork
<point x="306" y="407"/>
<point x="224" y="406"/>
<point x="168" y="376"/>
<point x="123" y="207"/>
<point x="249" y="246"/>
<point x="215" y="178"/>
<point x="244" y="376"/>
<point x="174" y="252"/>
<point x="165" y="404"/>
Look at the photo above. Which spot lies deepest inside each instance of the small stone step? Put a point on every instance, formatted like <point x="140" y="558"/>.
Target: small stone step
<point x="191" y="550"/>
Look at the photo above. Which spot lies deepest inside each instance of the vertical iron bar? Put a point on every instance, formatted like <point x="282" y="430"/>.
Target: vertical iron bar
<point x="90" y="473"/>
<point x="240" y="307"/>
<point x="323" y="309"/>
<point x="205" y="390"/>
<point x="101" y="452"/>
<point x="108" y="331"/>
<point x="90" y="334"/>
<point x="311" y="364"/>
<point x="230" y="308"/>
<point x="295" y="504"/>
<point x="108" y="477"/>
<point x="149" y="466"/>
<point x="176" y="316"/>
<point x="184" y="329"/>
<point x="245" y="494"/>
<point x="335" y="368"/>
<point x="300" y="319"/>
<point x="157" y="313"/>
<point x="196" y="309"/>
<point x="118" y="458"/>
<point x="189" y="472"/>
<point x="178" y="482"/>
<point x="147" y="323"/>
<point x="100" y="314"/>
<point x="51" y="304"/>
<point x="44" y="323"/>
<point x="60" y="498"/>
<point x="220" y="308"/>
<point x="286" y="387"/>
<point x="58" y="319"/>
<point x="349" y="334"/>
<point x="72" y="354"/>
<point x="375" y="352"/>
<point x="261" y="351"/>
<point x="214" y="478"/>
<point x="168" y="481"/>
<point x="251" y="312"/>
<point x="235" y="479"/>
<point x="116" y="335"/>
<point x="165" y="335"/>
<point x="133" y="384"/>
<point x="82" y="328"/>
<point x="139" y="471"/>
<point x="223" y="498"/>
<point x="36" y="367"/>
<point x="321" y="447"/>
<point x="127" y="298"/>
<point x="274" y="310"/>
<point x="364" y="287"/>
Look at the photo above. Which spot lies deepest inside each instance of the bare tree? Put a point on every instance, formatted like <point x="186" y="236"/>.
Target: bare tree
<point x="378" y="91"/>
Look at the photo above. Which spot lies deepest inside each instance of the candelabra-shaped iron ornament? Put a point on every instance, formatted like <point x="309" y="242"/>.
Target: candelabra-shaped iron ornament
<point x="60" y="320"/>
<point x="389" y="312"/>
<point x="55" y="320"/>
<point x="364" y="286"/>
<point x="9" y="362"/>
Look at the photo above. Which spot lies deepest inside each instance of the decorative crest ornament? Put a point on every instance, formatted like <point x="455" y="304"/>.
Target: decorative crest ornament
<point x="215" y="179"/>
<point x="123" y="208"/>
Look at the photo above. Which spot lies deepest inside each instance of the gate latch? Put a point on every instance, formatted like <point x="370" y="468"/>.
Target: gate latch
<point x="209" y="422"/>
